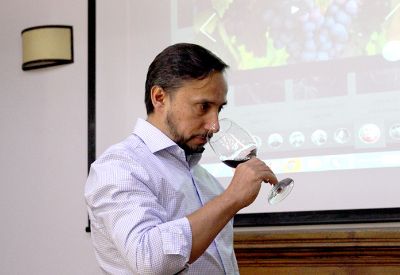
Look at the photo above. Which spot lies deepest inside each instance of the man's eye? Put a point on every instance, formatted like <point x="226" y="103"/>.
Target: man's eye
<point x="220" y="109"/>
<point x="204" y="106"/>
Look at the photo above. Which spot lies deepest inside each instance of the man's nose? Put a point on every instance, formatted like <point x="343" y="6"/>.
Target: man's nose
<point x="213" y="126"/>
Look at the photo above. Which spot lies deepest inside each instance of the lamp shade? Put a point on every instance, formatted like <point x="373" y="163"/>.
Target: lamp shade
<point x="45" y="46"/>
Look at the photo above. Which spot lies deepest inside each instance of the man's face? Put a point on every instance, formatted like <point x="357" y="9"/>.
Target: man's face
<point x="193" y="109"/>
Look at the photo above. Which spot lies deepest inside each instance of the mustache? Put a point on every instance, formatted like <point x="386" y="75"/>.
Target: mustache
<point x="208" y="135"/>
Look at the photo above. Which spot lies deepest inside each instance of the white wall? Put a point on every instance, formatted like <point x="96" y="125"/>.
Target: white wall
<point x="119" y="96"/>
<point x="43" y="145"/>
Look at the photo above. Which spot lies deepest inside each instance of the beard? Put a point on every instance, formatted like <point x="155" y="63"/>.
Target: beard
<point x="179" y="139"/>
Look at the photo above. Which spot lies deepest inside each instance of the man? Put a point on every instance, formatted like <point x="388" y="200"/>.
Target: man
<point x="153" y="209"/>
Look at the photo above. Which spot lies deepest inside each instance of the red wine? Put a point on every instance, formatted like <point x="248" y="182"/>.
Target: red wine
<point x="235" y="162"/>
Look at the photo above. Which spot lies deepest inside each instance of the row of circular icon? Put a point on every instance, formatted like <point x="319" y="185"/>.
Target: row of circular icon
<point x="368" y="133"/>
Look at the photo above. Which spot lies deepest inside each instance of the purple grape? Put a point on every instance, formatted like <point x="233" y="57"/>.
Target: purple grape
<point x="326" y="46"/>
<point x="329" y="22"/>
<point x="309" y="45"/>
<point x="343" y="18"/>
<point x="323" y="56"/>
<point x="340" y="32"/>
<point x="309" y="26"/>
<point x="340" y="2"/>
<point x="351" y="7"/>
<point x="333" y="9"/>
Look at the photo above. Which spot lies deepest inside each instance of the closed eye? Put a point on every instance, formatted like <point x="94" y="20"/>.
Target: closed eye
<point x="204" y="107"/>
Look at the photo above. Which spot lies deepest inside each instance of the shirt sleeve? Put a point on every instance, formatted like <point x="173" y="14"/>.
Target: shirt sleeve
<point x="121" y="201"/>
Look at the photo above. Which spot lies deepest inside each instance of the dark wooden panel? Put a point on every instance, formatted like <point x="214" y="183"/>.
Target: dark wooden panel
<point x="352" y="251"/>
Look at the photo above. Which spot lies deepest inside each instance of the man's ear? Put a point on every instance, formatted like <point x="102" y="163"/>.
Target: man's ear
<point x="158" y="97"/>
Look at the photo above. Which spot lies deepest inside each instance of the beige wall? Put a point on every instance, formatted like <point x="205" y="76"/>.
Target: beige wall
<point x="43" y="145"/>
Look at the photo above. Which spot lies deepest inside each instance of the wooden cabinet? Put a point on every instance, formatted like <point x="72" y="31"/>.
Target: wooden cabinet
<point x="350" y="251"/>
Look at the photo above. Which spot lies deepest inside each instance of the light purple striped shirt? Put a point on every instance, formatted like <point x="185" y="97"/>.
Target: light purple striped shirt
<point x="139" y="193"/>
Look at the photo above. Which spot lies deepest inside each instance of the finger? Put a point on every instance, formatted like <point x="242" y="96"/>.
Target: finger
<point x="266" y="174"/>
<point x="270" y="178"/>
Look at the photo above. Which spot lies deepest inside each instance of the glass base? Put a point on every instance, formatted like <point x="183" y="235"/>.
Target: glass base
<point x="280" y="190"/>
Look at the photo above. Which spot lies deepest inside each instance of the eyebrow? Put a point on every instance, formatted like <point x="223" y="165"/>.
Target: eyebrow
<point x="211" y="102"/>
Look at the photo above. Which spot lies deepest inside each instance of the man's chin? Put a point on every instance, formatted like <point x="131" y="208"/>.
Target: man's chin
<point x="199" y="150"/>
<point x="189" y="150"/>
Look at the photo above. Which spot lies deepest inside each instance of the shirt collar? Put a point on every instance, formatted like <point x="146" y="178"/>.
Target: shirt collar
<point x="152" y="136"/>
<point x="156" y="141"/>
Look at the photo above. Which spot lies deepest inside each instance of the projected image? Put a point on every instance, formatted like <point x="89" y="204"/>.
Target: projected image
<point x="312" y="87"/>
<point x="395" y="132"/>
<point x="315" y="82"/>
<point x="266" y="33"/>
<point x="342" y="135"/>
<point x="378" y="80"/>
<point x="318" y="81"/>
<point x="254" y="92"/>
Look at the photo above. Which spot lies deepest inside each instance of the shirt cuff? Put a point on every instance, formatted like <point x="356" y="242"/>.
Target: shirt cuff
<point x="176" y="237"/>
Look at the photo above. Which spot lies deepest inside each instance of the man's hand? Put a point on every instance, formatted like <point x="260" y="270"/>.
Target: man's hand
<point x="246" y="182"/>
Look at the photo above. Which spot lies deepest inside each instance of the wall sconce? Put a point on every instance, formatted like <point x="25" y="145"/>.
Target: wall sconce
<point x="45" y="46"/>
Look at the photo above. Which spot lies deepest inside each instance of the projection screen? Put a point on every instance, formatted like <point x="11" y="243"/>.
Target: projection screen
<point x="317" y="82"/>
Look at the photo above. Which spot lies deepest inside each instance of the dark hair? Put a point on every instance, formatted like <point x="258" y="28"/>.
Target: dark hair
<point x="177" y="63"/>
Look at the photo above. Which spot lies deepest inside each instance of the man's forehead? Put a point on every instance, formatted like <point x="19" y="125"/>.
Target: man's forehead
<point x="218" y="98"/>
<point x="206" y="89"/>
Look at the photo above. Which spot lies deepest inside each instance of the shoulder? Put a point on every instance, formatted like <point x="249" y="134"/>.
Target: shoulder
<point x="119" y="163"/>
<point x="128" y="151"/>
<point x="207" y="180"/>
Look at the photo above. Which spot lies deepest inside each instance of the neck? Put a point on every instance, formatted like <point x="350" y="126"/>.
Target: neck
<point x="157" y="122"/>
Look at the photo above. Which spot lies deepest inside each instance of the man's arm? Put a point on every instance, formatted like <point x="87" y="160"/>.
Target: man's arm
<point x="130" y="222"/>
<point x="209" y="220"/>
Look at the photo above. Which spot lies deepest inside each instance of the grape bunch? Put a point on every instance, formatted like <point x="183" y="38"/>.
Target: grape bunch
<point x="242" y="21"/>
<point x="308" y="31"/>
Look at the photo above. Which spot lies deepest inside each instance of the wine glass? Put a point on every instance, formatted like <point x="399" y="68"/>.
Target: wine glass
<point x="235" y="145"/>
